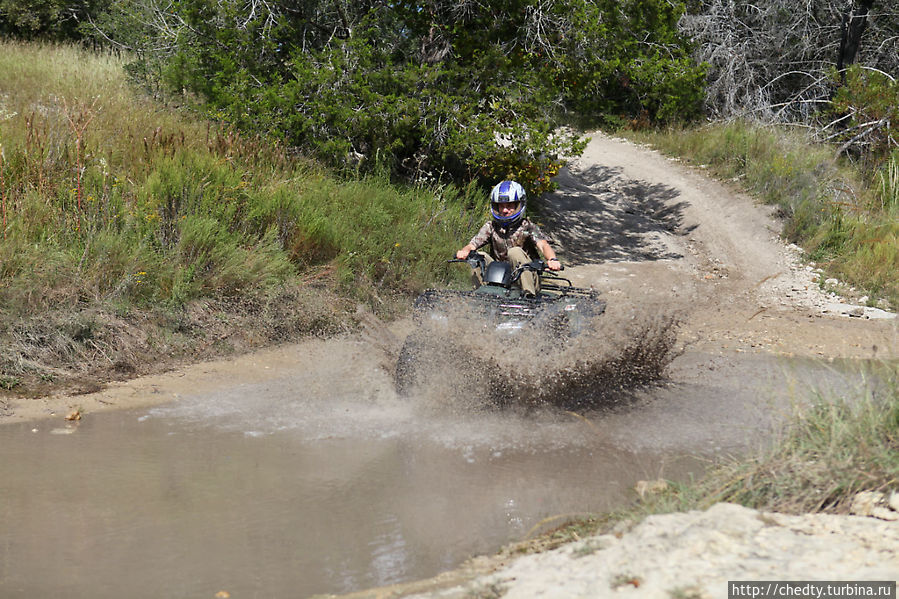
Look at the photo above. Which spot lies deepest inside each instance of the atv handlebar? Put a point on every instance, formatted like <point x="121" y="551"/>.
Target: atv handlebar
<point x="538" y="266"/>
<point x="476" y="260"/>
<point x="551" y="280"/>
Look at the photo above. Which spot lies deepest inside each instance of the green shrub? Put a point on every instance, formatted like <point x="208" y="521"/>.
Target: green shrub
<point x="421" y="91"/>
<point x="866" y="106"/>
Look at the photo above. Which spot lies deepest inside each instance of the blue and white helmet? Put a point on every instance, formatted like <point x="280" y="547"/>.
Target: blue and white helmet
<point x="504" y="193"/>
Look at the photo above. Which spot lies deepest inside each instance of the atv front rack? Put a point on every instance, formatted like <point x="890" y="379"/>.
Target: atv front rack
<point x="484" y="302"/>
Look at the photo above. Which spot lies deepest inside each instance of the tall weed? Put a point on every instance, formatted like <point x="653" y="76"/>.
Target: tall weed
<point x="830" y="452"/>
<point x="888" y="188"/>
<point x="132" y="202"/>
<point x="831" y="449"/>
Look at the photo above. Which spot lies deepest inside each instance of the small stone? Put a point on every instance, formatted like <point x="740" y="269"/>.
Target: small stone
<point x="894" y="501"/>
<point x="885" y="514"/>
<point x="863" y="503"/>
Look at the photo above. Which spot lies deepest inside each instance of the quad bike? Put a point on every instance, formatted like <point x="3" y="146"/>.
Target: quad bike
<point x="559" y="312"/>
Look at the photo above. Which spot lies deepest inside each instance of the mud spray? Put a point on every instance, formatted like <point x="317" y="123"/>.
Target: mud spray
<point x="459" y="363"/>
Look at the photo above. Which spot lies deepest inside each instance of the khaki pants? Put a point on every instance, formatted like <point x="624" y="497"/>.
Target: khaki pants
<point x="529" y="281"/>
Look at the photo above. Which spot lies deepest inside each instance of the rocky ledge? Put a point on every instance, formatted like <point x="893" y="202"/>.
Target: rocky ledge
<point x="693" y="555"/>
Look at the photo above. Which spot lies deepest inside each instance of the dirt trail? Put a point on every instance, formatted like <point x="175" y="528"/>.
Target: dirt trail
<point x="645" y="229"/>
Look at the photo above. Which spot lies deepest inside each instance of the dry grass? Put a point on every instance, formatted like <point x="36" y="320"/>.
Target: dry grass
<point x="832" y="449"/>
<point x="79" y="351"/>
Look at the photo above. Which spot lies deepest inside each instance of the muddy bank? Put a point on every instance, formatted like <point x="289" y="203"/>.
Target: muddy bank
<point x="78" y="349"/>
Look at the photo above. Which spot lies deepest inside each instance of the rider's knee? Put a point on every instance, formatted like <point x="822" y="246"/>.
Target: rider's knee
<point x="518" y="256"/>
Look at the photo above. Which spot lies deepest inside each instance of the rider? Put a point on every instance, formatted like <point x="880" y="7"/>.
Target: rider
<point x="511" y="236"/>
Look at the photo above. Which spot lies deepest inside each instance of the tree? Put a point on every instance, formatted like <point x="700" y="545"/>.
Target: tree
<point x="421" y="88"/>
<point x="46" y="19"/>
<point x="855" y="19"/>
<point x="774" y="59"/>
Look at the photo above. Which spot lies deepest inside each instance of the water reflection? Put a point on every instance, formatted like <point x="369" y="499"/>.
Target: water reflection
<point x="130" y="506"/>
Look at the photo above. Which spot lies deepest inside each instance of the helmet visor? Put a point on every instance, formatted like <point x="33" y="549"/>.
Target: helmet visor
<point x="505" y="209"/>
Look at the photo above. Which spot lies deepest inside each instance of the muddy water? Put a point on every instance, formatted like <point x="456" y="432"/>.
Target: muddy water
<point x="321" y="480"/>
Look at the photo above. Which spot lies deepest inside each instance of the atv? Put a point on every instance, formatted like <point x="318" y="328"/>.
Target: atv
<point x="497" y="306"/>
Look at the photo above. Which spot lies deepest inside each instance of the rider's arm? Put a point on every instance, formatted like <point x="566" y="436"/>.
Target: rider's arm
<point x="550" y="254"/>
<point x="480" y="238"/>
<point x="463" y="253"/>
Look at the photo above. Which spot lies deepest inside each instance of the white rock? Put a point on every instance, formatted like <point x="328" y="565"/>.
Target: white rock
<point x="863" y="503"/>
<point x="667" y="554"/>
<point x="885" y="513"/>
<point x="893" y="502"/>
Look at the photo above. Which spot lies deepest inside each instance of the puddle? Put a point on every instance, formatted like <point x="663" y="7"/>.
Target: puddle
<point x="326" y="482"/>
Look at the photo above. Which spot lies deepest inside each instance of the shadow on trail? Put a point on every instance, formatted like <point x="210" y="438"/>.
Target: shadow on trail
<point x="597" y="215"/>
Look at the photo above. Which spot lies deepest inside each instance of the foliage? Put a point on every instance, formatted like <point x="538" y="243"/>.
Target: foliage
<point x="425" y="91"/>
<point x="631" y="62"/>
<point x="867" y="106"/>
<point x="56" y="20"/>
